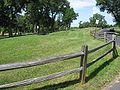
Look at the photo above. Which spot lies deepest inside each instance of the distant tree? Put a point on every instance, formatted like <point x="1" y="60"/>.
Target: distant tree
<point x="101" y="18"/>
<point x="84" y="24"/>
<point x="111" y="6"/>
<point x="80" y="24"/>
<point x="68" y="16"/>
<point x="43" y="14"/>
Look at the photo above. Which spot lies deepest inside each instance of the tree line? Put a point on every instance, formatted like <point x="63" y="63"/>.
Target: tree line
<point x="46" y="16"/>
<point x="102" y="23"/>
<point x="111" y="7"/>
<point x="40" y="16"/>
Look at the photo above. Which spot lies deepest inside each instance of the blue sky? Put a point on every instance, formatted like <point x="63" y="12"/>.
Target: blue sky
<point x="86" y="9"/>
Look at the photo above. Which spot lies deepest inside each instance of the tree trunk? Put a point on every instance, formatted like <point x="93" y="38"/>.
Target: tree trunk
<point x="34" y="28"/>
<point x="3" y="32"/>
<point x="69" y="25"/>
<point x="10" y="32"/>
<point x="15" y="32"/>
<point x="39" y="31"/>
<point x="52" y="26"/>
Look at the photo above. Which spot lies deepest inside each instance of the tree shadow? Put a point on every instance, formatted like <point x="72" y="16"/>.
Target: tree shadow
<point x="117" y="33"/>
<point x="7" y="36"/>
<point x="58" y="86"/>
<point x="4" y="37"/>
<point x="97" y="70"/>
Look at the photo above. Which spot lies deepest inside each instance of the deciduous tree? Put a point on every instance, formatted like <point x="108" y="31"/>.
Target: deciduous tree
<point x="111" y="6"/>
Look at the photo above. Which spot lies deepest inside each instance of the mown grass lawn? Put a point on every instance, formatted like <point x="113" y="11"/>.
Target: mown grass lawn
<point x="32" y="47"/>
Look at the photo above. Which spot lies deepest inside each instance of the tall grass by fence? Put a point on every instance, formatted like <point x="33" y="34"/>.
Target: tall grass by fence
<point x="81" y="69"/>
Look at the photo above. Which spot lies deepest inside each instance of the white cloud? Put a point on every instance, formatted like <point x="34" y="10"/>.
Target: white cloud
<point x="78" y="4"/>
<point x="95" y="10"/>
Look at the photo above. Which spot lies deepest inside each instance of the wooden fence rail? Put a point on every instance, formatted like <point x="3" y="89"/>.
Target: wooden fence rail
<point x="108" y="33"/>
<point x="99" y="47"/>
<point x="40" y="61"/>
<point x="82" y="69"/>
<point x="40" y="79"/>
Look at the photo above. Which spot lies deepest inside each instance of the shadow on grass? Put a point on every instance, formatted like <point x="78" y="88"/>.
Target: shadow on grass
<point x="57" y="86"/>
<point x="72" y="82"/>
<point x="117" y="33"/>
<point x="97" y="70"/>
<point x="6" y="36"/>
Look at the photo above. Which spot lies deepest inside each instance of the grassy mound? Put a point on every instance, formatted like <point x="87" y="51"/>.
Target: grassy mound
<point x="32" y="47"/>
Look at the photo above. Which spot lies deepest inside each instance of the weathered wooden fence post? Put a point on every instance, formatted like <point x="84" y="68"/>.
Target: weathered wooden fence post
<point x="84" y="63"/>
<point x="81" y="62"/>
<point x="105" y="36"/>
<point x="114" y="46"/>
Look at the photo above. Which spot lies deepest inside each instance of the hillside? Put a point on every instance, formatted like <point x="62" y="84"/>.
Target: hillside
<point x="31" y="47"/>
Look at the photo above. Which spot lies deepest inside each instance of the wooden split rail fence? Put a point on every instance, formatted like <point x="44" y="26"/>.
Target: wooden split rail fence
<point x="81" y="69"/>
<point x="106" y="34"/>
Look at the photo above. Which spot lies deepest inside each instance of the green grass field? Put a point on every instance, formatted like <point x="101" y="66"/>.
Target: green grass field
<point x="32" y="47"/>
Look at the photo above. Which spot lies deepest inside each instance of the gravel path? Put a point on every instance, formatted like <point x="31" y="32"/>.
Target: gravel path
<point x="114" y="85"/>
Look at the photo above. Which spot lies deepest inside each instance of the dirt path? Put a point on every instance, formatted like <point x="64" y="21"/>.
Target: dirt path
<point x="109" y="36"/>
<point x="114" y="85"/>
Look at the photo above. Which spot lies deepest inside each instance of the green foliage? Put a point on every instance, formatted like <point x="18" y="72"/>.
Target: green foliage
<point x="43" y="14"/>
<point x="84" y="24"/>
<point x="92" y="22"/>
<point x="40" y="15"/>
<point x="8" y="13"/>
<point x="112" y="6"/>
<point x="101" y="18"/>
<point x="69" y="16"/>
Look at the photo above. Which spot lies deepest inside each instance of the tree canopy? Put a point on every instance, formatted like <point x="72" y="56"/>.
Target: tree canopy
<point x="41" y="16"/>
<point x="92" y="22"/>
<point x="9" y="10"/>
<point x="102" y="22"/>
<point x="111" y="6"/>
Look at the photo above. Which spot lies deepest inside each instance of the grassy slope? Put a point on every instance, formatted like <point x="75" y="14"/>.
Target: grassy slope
<point x="32" y="47"/>
<point x="117" y="29"/>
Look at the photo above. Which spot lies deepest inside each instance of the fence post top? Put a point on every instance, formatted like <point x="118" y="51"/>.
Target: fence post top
<point x="105" y="32"/>
<point x="85" y="45"/>
<point x="113" y="37"/>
